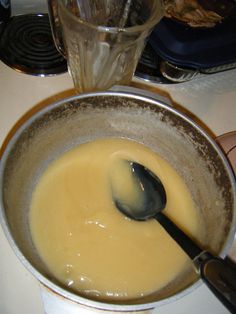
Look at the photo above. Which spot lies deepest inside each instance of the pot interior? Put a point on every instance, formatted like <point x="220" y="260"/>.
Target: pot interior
<point x="66" y="124"/>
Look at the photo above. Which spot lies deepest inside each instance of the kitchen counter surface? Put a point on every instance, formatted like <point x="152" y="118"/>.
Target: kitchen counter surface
<point x="210" y="100"/>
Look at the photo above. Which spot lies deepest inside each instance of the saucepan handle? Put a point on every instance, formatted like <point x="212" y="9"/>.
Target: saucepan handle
<point x="55" y="26"/>
<point x="227" y="142"/>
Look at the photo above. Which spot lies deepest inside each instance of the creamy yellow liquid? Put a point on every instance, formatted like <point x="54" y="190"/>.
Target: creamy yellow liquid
<point x="87" y="243"/>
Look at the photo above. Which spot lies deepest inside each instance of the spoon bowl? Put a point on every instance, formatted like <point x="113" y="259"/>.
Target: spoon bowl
<point x="148" y="185"/>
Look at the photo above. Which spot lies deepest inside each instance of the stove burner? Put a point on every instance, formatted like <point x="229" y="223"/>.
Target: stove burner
<point x="26" y="45"/>
<point x="148" y="67"/>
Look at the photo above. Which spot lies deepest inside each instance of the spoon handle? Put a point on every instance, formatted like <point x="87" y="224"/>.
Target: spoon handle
<point x="220" y="277"/>
<point x="184" y="241"/>
<point x="218" y="274"/>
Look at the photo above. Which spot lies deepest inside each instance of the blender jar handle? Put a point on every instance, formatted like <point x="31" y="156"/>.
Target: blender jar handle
<point x="55" y="26"/>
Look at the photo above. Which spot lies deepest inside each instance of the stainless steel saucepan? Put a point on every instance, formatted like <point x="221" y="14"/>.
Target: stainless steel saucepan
<point x="62" y="125"/>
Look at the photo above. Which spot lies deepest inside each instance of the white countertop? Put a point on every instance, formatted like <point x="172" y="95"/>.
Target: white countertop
<point x="211" y="99"/>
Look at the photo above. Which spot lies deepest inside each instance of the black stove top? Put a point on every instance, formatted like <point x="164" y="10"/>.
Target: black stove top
<point x="26" y="45"/>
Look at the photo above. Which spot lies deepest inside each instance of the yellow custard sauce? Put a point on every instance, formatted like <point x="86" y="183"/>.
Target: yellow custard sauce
<point x="87" y="243"/>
